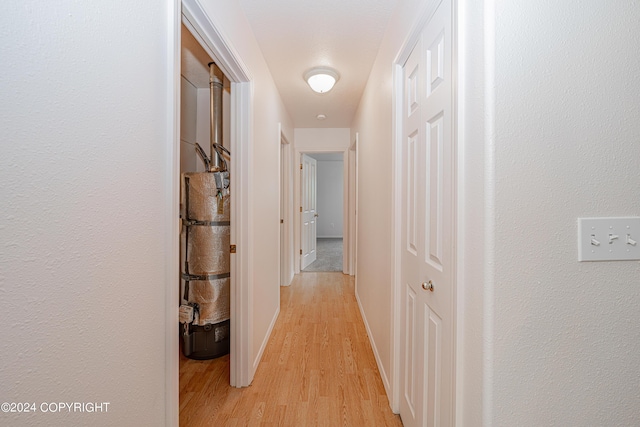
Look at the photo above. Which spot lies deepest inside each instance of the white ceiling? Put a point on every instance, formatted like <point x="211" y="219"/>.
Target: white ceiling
<point x="296" y="35"/>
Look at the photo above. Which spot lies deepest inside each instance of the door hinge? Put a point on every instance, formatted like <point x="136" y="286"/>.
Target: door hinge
<point x="282" y="221"/>
<point x="300" y="166"/>
<point x="300" y="208"/>
<point x="232" y="249"/>
<point x="300" y="251"/>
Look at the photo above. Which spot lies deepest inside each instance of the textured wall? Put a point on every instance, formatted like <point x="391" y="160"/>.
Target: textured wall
<point x="567" y="120"/>
<point x="548" y="131"/>
<point x="330" y="198"/>
<point x="86" y="148"/>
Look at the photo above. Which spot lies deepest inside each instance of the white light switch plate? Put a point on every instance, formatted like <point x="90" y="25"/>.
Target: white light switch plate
<point x="609" y="239"/>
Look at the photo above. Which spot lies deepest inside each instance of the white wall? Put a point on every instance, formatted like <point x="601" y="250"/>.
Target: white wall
<point x="268" y="112"/>
<point x="373" y="123"/>
<point x="548" y="133"/>
<point x="551" y="114"/>
<point x="321" y="140"/>
<point x="87" y="149"/>
<point x="188" y="121"/>
<point x="330" y="198"/>
<point x="567" y="121"/>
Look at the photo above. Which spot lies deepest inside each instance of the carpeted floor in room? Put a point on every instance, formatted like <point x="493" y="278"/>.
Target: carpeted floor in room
<point x="329" y="255"/>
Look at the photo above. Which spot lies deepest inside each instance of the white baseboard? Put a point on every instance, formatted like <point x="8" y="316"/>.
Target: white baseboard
<point x="383" y="374"/>
<point x="263" y="346"/>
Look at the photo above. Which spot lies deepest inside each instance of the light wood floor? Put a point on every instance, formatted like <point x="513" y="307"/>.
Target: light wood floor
<point x="317" y="370"/>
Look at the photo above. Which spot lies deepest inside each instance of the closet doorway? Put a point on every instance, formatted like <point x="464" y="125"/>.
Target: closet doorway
<point x="197" y="26"/>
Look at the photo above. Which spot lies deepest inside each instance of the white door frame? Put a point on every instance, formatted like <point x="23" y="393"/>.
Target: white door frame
<point x="345" y="204"/>
<point x="353" y="207"/>
<point x="206" y="33"/>
<point x="286" y="206"/>
<point x="172" y="230"/>
<point x="424" y="14"/>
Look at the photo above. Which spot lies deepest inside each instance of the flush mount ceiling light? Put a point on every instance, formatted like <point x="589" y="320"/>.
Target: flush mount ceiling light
<point x="321" y="79"/>
<point x="321" y="117"/>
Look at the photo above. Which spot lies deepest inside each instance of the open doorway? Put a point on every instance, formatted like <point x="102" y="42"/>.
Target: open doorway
<point x="326" y="239"/>
<point x="205" y="200"/>
<point x="197" y="26"/>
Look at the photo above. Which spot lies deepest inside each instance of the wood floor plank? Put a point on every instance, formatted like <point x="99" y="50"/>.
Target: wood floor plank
<point x="317" y="370"/>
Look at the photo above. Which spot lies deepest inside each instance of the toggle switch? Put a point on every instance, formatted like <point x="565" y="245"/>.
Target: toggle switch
<point x="618" y="232"/>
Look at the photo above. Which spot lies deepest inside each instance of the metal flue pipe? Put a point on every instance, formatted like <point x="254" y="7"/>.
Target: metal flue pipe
<point x="215" y="108"/>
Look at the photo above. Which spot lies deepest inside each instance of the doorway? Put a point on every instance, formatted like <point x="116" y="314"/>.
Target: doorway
<point x="204" y="280"/>
<point x="286" y="207"/>
<point x="323" y="212"/>
<point x="200" y="27"/>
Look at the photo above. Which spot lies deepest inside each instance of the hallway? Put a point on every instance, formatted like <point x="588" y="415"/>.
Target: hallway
<point x="318" y="368"/>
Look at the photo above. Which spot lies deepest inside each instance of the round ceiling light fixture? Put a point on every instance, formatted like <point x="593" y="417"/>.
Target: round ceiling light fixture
<point x="321" y="79"/>
<point x="321" y="116"/>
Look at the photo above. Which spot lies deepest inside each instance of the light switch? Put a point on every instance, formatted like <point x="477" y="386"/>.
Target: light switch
<point x="609" y="239"/>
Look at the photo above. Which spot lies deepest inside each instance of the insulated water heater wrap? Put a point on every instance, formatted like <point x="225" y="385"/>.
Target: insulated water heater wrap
<point x="206" y="268"/>
<point x="208" y="250"/>
<point x="212" y="297"/>
<point x="201" y="190"/>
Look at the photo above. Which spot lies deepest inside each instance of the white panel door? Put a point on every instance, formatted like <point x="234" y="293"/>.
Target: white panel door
<point x="309" y="210"/>
<point x="427" y="280"/>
